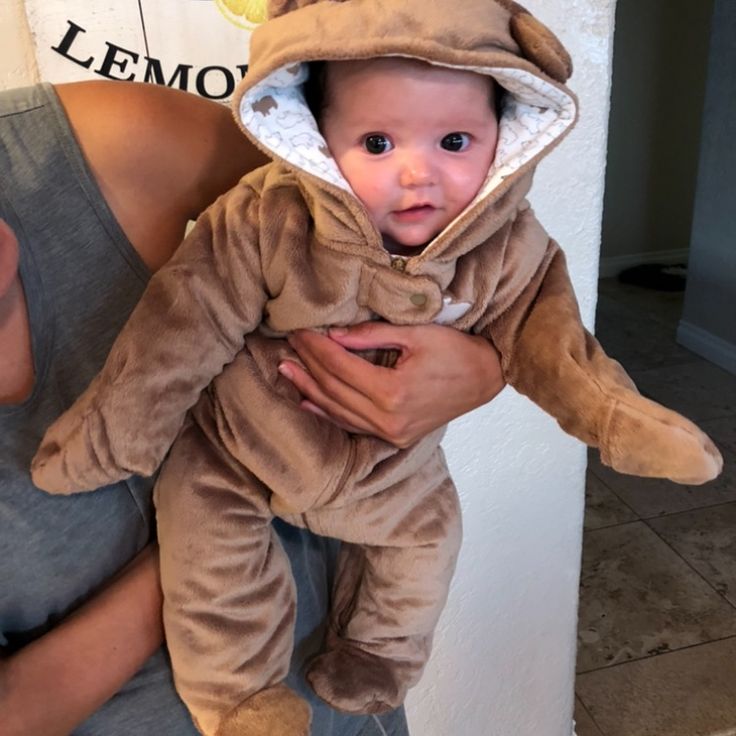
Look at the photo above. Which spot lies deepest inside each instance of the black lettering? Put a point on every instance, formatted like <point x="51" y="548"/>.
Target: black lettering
<point x="154" y="73"/>
<point x="243" y="69"/>
<point x="110" y="61"/>
<point x="66" y="44"/>
<point x="226" y="75"/>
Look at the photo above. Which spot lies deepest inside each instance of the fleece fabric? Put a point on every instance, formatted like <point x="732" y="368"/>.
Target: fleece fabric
<point x="292" y="247"/>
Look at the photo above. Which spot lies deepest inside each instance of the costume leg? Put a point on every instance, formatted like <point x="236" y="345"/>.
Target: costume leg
<point x="392" y="582"/>
<point x="229" y="595"/>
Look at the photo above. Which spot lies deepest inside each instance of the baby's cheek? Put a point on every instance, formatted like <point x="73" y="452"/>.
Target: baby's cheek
<point x="374" y="198"/>
<point x="467" y="182"/>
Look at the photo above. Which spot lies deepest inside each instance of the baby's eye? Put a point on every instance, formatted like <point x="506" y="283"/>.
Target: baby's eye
<point x="377" y="143"/>
<point x="455" y="141"/>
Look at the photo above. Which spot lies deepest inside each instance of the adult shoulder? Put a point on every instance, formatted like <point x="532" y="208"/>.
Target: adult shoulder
<point x="159" y="155"/>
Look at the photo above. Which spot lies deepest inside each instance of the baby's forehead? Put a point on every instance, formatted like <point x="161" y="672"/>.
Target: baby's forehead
<point x="406" y="66"/>
<point x="343" y="73"/>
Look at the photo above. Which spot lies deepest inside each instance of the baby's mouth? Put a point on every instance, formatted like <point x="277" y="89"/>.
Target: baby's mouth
<point x="415" y="212"/>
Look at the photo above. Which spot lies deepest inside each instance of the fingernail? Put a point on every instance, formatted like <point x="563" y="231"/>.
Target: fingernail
<point x="285" y="370"/>
<point x="338" y="331"/>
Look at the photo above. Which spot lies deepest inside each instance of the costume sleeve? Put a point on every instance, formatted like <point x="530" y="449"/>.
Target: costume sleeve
<point x="190" y="322"/>
<point x="549" y="356"/>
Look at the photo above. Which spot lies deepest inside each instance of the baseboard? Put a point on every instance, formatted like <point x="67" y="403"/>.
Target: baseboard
<point x="707" y="345"/>
<point x="613" y="265"/>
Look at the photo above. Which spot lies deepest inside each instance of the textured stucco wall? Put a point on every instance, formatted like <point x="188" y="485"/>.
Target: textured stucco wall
<point x="504" y="657"/>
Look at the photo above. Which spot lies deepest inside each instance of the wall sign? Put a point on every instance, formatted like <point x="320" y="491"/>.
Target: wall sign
<point x="200" y="46"/>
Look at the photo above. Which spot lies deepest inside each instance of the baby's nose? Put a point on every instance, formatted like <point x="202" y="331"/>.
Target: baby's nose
<point x="416" y="171"/>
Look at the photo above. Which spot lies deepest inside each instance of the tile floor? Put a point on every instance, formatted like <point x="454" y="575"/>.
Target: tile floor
<point x="657" y="623"/>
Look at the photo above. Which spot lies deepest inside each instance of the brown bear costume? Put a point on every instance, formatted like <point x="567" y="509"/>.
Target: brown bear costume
<point x="291" y="247"/>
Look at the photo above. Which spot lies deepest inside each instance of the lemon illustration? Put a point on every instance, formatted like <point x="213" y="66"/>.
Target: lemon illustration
<point x="243" y="13"/>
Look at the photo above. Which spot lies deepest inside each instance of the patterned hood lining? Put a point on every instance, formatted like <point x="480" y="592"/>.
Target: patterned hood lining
<point x="536" y="114"/>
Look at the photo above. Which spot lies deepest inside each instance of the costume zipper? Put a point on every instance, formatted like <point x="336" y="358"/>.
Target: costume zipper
<point x="344" y="475"/>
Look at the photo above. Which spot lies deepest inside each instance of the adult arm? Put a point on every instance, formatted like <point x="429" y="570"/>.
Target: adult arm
<point x="62" y="678"/>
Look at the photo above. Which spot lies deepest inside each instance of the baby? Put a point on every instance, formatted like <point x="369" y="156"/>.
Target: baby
<point x="396" y="192"/>
<point x="415" y="164"/>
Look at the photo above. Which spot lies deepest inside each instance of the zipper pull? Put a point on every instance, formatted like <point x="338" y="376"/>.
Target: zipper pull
<point x="398" y="263"/>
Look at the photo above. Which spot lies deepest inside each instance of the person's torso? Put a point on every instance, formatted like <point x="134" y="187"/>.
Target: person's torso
<point x="81" y="277"/>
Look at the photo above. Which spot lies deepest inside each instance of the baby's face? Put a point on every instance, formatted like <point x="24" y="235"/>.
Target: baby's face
<point x="414" y="141"/>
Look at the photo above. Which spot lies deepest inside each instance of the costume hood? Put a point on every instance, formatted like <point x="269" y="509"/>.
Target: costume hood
<point x="494" y="37"/>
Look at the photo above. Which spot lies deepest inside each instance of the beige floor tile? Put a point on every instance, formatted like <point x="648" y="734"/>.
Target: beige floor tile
<point x="584" y="724"/>
<point x="602" y="506"/>
<point x="664" y="307"/>
<point x="687" y="693"/>
<point x="706" y="538"/>
<point x="723" y="432"/>
<point x="639" y="598"/>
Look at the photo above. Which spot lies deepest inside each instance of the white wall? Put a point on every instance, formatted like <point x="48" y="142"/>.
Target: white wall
<point x="505" y="650"/>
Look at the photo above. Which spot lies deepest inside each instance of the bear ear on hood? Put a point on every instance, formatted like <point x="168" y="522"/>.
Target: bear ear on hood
<point x="281" y="7"/>
<point x="538" y="43"/>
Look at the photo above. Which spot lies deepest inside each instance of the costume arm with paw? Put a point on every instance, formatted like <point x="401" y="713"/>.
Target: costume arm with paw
<point x="548" y="355"/>
<point x="190" y="322"/>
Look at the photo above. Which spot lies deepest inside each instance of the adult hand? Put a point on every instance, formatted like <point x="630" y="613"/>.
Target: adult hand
<point x="440" y="374"/>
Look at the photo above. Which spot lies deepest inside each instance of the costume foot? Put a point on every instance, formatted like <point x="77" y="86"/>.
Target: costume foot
<point x="275" y="711"/>
<point x="645" y="439"/>
<point x="74" y="454"/>
<point x="354" y="681"/>
<point x="59" y="467"/>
